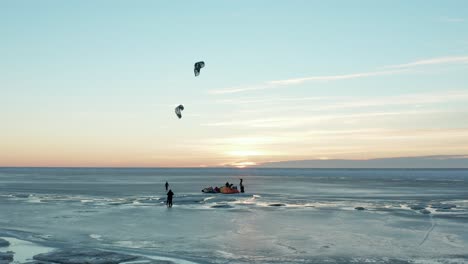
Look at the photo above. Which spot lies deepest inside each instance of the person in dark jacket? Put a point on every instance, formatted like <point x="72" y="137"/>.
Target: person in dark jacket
<point x="241" y="186"/>
<point x="167" y="186"/>
<point x="169" y="198"/>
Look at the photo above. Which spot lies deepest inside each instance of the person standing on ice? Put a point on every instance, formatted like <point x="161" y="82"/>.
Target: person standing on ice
<point x="167" y="185"/>
<point x="169" y="198"/>
<point x="241" y="186"/>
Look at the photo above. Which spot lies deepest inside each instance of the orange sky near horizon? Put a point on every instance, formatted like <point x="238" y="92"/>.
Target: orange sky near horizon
<point x="236" y="152"/>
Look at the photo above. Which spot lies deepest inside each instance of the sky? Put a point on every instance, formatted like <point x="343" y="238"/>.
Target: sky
<point x="95" y="83"/>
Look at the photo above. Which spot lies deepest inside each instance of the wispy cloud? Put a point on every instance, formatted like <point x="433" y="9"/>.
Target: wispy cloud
<point x="274" y="138"/>
<point x="333" y="135"/>
<point x="335" y="143"/>
<point x="334" y="77"/>
<point x="390" y="70"/>
<point x="400" y="100"/>
<point x="273" y="100"/>
<point x="433" y="61"/>
<point x="243" y="88"/>
<point x="289" y="122"/>
<point x="323" y="78"/>
<point x="347" y="102"/>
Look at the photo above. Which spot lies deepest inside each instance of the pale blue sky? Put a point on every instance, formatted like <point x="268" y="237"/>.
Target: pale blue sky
<point x="95" y="82"/>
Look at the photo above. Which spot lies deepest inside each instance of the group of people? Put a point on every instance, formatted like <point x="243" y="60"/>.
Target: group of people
<point x="170" y="193"/>
<point x="231" y="185"/>
<point x="228" y="188"/>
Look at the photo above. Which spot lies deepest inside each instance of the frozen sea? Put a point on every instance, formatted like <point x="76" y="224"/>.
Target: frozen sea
<point x="285" y="215"/>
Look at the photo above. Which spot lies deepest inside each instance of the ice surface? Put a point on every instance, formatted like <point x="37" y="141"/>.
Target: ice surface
<point x="285" y="216"/>
<point x="23" y="250"/>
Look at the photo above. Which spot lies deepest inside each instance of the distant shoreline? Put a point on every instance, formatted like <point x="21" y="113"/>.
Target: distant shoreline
<point x="456" y="162"/>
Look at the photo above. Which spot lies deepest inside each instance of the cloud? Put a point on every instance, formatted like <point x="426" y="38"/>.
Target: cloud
<point x="260" y="143"/>
<point x="392" y="70"/>
<point x="242" y="89"/>
<point x="334" y="77"/>
<point x="297" y="121"/>
<point x="264" y="100"/>
<point x="433" y="61"/>
<point x="334" y="143"/>
<point x="279" y="105"/>
<point x="323" y="78"/>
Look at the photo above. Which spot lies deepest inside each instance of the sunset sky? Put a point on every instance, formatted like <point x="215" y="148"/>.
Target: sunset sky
<point x="95" y="83"/>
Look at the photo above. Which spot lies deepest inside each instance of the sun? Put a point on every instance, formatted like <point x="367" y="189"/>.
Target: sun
<point x="243" y="164"/>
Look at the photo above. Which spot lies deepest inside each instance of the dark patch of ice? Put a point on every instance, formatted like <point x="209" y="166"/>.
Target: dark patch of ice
<point x="425" y="211"/>
<point x="4" y="243"/>
<point x="276" y="204"/>
<point x="221" y="206"/>
<point x="360" y="208"/>
<point x="6" y="257"/>
<point x="444" y="210"/>
<point x="38" y="262"/>
<point x="443" y="206"/>
<point x="120" y="203"/>
<point x="21" y="195"/>
<point x="90" y="256"/>
<point x="418" y="207"/>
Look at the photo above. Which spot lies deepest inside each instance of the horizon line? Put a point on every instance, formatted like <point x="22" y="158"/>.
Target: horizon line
<point x="237" y="168"/>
